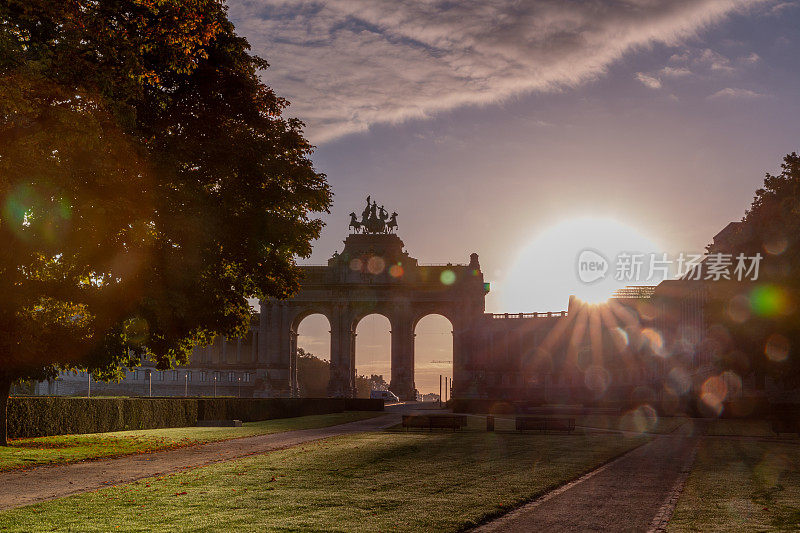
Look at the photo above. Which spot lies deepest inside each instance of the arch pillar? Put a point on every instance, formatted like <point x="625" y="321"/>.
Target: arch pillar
<point x="402" y="382"/>
<point x="463" y="343"/>
<point x="294" y="387"/>
<point x="276" y="346"/>
<point x="342" y="380"/>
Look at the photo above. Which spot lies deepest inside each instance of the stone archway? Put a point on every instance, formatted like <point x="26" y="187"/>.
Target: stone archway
<point x="433" y="345"/>
<point x="372" y="349"/>
<point x="373" y="274"/>
<point x="311" y="331"/>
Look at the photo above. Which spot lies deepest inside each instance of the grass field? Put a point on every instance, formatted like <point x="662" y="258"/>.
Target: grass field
<point x="742" y="485"/>
<point x="635" y="422"/>
<point x="24" y="453"/>
<point x="368" y="482"/>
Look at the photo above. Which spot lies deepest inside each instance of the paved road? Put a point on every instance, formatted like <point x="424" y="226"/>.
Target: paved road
<point x="36" y="485"/>
<point x="634" y="493"/>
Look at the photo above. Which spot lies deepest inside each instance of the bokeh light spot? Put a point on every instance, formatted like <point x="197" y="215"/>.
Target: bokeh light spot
<point x="620" y="335"/>
<point x="777" y="348"/>
<point x="447" y="277"/>
<point x="640" y="420"/>
<point x="739" y="309"/>
<point x="597" y="379"/>
<point x="776" y="245"/>
<point x="769" y="300"/>
<point x="376" y="265"/>
<point x="655" y="341"/>
<point x="678" y="381"/>
<point x="713" y="394"/>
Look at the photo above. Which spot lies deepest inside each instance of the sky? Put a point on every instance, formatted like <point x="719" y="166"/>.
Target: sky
<point x="496" y="126"/>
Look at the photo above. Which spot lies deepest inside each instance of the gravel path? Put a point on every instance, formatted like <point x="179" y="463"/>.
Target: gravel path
<point x="26" y="487"/>
<point x="636" y="492"/>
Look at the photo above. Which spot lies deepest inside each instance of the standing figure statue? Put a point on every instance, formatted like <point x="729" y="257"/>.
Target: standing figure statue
<point x="365" y="216"/>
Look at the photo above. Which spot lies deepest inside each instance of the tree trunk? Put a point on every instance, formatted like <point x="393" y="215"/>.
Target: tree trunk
<point x="5" y="390"/>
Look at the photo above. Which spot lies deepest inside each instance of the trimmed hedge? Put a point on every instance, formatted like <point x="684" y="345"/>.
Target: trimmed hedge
<point x="39" y="416"/>
<point x="255" y="409"/>
<point x="53" y="415"/>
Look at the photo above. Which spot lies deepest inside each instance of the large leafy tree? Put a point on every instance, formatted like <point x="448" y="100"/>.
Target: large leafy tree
<point x="149" y="184"/>
<point x="761" y="318"/>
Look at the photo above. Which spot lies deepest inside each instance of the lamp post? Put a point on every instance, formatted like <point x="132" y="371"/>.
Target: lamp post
<point x="186" y="385"/>
<point x="215" y="384"/>
<point x="89" y="388"/>
<point x="239" y="394"/>
<point x="150" y="383"/>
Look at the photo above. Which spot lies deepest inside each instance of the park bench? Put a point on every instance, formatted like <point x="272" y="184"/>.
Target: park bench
<point x="537" y="423"/>
<point x="432" y="422"/>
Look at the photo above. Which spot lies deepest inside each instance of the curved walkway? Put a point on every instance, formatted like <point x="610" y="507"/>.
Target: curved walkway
<point x="636" y="492"/>
<point x="44" y="483"/>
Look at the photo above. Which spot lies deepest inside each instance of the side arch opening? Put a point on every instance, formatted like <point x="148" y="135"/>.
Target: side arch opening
<point x="433" y="351"/>
<point x="373" y="344"/>
<point x="313" y="359"/>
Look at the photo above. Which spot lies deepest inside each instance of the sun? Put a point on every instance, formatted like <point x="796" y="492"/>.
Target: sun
<point x="545" y="272"/>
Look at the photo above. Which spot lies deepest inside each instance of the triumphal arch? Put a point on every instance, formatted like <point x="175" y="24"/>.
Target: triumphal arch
<point x="372" y="274"/>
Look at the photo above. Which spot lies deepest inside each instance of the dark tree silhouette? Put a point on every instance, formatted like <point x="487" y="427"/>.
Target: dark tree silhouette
<point x="314" y="373"/>
<point x="149" y="184"/>
<point x="761" y="319"/>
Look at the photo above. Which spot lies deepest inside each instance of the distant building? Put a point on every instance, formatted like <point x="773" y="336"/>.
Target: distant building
<point x="225" y="368"/>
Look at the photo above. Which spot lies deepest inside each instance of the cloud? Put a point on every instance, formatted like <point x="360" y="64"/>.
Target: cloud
<point x="751" y="58"/>
<point x="714" y="61"/>
<point x="348" y="64"/>
<point x="778" y="8"/>
<point x="675" y="72"/>
<point x="648" y="81"/>
<point x="731" y="93"/>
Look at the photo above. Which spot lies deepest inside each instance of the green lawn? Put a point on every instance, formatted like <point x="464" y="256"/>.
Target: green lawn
<point x="367" y="482"/>
<point x="634" y="421"/>
<point x="742" y="485"/>
<point x="71" y="448"/>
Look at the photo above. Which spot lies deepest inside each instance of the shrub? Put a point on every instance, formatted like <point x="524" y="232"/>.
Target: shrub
<point x="40" y="416"/>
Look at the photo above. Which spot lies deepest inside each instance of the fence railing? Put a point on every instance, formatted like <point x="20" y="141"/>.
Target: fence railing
<point x="547" y="314"/>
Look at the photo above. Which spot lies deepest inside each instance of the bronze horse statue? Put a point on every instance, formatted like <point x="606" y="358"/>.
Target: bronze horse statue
<point x="373" y="219"/>
<point x="354" y="223"/>
<point x="392" y="224"/>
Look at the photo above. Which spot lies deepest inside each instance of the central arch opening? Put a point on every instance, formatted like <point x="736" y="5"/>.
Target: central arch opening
<point x="433" y="353"/>
<point x="373" y="354"/>
<point x="313" y="356"/>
